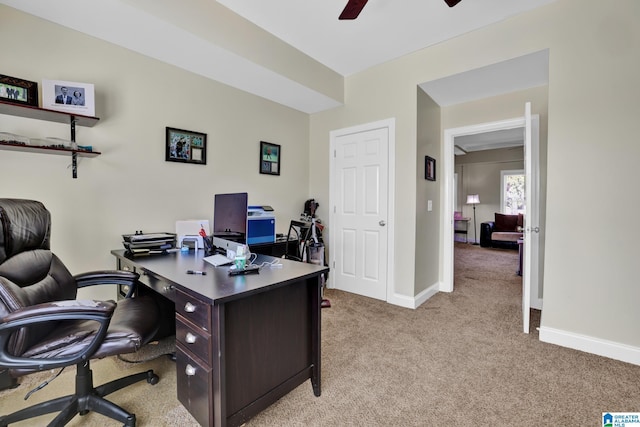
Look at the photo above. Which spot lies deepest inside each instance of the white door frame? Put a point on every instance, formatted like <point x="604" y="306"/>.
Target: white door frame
<point x="446" y="246"/>
<point x="390" y="125"/>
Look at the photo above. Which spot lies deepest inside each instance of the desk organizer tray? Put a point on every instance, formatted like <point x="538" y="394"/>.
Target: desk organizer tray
<point x="149" y="241"/>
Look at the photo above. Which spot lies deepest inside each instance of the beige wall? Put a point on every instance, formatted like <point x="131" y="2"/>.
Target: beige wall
<point x="427" y="222"/>
<point x="131" y="186"/>
<point x="590" y="280"/>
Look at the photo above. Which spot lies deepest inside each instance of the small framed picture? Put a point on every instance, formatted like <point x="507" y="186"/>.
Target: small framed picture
<point x="429" y="168"/>
<point x="70" y="97"/>
<point x="18" y="91"/>
<point x="270" y="158"/>
<point x="186" y="146"/>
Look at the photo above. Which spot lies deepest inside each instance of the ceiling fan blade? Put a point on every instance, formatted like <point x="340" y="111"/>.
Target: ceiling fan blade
<point x="353" y="9"/>
<point x="452" y="3"/>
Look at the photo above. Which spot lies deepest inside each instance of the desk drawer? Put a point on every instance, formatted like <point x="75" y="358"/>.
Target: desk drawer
<point x="162" y="287"/>
<point x="194" y="387"/>
<point x="194" y="310"/>
<point x="194" y="339"/>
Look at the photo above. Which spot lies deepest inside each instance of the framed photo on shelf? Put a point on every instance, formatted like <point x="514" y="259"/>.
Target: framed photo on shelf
<point x="270" y="158"/>
<point x="429" y="168"/>
<point x="18" y="91"/>
<point x="70" y="97"/>
<point x="186" y="146"/>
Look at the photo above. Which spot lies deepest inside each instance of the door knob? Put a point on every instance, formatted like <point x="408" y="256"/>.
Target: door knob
<point x="382" y="223"/>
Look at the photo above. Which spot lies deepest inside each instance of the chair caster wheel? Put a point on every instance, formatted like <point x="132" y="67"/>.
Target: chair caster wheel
<point x="153" y="379"/>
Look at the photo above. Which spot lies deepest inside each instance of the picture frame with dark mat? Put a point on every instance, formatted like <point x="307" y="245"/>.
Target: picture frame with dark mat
<point x="429" y="168"/>
<point x="185" y="146"/>
<point x="270" y="158"/>
<point x="18" y="91"/>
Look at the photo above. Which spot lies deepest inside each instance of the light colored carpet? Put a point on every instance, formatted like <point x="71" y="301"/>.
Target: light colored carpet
<point x="459" y="359"/>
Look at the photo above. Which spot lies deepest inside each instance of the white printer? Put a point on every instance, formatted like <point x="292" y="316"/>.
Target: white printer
<point x="261" y="225"/>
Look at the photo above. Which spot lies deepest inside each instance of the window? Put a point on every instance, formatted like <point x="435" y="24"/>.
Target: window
<point x="512" y="191"/>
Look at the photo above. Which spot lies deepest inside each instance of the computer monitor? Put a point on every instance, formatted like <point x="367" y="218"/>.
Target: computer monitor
<point x="230" y="217"/>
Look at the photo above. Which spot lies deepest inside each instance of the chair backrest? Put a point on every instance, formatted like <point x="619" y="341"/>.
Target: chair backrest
<point x="29" y="272"/>
<point x="300" y="231"/>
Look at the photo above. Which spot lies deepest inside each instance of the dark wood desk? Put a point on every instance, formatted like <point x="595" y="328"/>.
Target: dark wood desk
<point x="242" y="342"/>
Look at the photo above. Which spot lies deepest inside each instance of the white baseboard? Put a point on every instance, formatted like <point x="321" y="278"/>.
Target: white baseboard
<point x="414" y="302"/>
<point x="610" y="349"/>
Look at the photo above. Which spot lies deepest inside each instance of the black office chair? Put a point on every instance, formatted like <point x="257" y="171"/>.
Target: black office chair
<point x="300" y="233"/>
<point x="299" y="244"/>
<point x="43" y="326"/>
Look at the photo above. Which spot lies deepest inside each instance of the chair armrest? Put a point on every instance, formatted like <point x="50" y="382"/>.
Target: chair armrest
<point x="98" y="311"/>
<point x="106" y="277"/>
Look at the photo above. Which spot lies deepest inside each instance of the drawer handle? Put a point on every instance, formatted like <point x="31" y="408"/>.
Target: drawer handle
<point x="168" y="288"/>
<point x="190" y="370"/>
<point x="190" y="338"/>
<point x="189" y="308"/>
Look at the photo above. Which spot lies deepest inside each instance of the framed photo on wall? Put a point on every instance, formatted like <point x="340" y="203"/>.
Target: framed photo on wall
<point x="18" y="91"/>
<point x="270" y="158"/>
<point x="429" y="168"/>
<point x="70" y="97"/>
<point x="186" y="146"/>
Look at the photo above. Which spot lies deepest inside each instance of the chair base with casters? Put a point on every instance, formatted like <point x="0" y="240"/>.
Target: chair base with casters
<point x="87" y="398"/>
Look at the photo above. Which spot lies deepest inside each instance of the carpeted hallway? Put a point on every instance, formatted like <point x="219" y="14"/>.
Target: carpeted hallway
<point x="459" y="359"/>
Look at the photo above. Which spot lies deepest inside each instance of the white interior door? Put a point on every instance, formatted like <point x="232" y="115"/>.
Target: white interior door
<point x="359" y="193"/>
<point x="528" y="211"/>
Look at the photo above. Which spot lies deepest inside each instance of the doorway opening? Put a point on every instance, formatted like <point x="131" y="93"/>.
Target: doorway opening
<point x="531" y="291"/>
<point x="449" y="203"/>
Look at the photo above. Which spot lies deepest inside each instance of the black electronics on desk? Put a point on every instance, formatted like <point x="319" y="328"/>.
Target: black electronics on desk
<point x="148" y="243"/>
<point x="230" y="216"/>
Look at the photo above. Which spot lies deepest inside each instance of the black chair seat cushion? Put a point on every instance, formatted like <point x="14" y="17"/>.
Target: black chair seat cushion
<point x="134" y="323"/>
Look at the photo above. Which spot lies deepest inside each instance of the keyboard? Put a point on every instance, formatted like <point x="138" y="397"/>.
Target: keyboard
<point x="218" y="260"/>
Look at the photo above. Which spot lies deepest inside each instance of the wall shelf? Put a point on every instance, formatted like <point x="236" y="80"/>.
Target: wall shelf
<point x="50" y="116"/>
<point x="46" y="115"/>
<point x="7" y="146"/>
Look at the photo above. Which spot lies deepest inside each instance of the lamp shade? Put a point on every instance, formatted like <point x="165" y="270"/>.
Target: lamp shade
<point x="473" y="199"/>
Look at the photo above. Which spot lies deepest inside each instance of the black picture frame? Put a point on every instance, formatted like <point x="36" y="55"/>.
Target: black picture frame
<point x="270" y="155"/>
<point x="186" y="146"/>
<point x="18" y="91"/>
<point x="429" y="168"/>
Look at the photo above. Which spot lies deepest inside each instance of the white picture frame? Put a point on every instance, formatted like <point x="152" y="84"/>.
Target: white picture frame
<point x="80" y="97"/>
